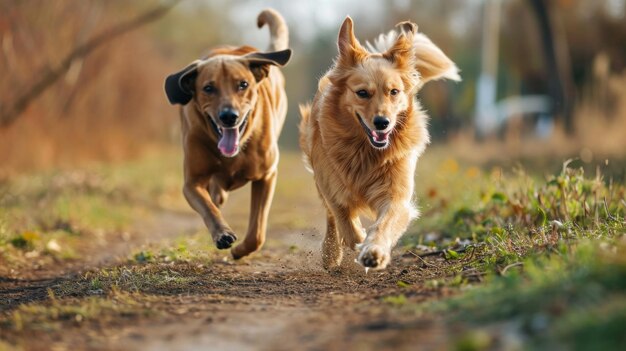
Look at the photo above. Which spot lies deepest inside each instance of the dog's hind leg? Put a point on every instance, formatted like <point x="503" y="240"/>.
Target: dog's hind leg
<point x="332" y="252"/>
<point x="348" y="224"/>
<point x="344" y="229"/>
<point x="262" y="194"/>
<point x="218" y="194"/>
<point x="354" y="234"/>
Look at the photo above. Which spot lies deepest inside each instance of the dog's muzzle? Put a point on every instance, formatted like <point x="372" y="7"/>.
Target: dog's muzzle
<point x="378" y="139"/>
<point x="229" y="138"/>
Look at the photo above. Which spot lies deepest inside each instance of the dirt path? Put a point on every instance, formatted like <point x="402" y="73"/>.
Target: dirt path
<point x="32" y="284"/>
<point x="282" y="300"/>
<point x="278" y="299"/>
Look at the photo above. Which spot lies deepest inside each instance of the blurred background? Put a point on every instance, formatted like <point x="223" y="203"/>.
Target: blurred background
<point x="82" y="80"/>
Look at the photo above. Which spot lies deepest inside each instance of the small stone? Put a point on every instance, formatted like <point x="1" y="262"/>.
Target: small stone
<point x="53" y="246"/>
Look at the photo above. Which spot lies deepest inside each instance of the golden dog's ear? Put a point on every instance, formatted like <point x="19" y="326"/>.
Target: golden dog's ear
<point x="350" y="50"/>
<point x="401" y="53"/>
<point x="431" y="62"/>
<point x="179" y="86"/>
<point x="259" y="62"/>
<point x="407" y="27"/>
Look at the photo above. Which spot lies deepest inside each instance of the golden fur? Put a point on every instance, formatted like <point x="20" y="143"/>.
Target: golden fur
<point x="261" y="104"/>
<point x="354" y="173"/>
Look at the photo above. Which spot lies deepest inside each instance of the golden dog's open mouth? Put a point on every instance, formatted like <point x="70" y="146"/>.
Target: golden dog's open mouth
<point x="229" y="138"/>
<point x="379" y="140"/>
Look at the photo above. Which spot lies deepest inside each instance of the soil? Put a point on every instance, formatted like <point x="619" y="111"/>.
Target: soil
<point x="279" y="299"/>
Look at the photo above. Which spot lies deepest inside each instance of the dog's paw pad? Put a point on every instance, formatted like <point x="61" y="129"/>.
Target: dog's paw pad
<point x="225" y="240"/>
<point x="373" y="256"/>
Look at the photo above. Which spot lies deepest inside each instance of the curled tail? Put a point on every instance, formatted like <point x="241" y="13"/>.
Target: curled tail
<point x="279" y="34"/>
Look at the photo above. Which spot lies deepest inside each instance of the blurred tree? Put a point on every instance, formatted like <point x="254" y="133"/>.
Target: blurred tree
<point x="50" y="75"/>
<point x="557" y="62"/>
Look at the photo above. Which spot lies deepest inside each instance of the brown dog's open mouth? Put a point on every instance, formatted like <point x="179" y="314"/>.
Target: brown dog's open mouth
<point x="228" y="138"/>
<point x="379" y="140"/>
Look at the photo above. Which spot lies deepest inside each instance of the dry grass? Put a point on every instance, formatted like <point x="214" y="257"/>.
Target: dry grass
<point x="491" y="229"/>
<point x="599" y="121"/>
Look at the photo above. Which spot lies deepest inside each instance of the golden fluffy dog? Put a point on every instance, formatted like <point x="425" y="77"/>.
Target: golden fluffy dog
<point x="234" y="106"/>
<point x="363" y="134"/>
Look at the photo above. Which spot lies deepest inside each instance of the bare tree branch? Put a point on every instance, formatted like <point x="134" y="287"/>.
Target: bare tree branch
<point x="51" y="75"/>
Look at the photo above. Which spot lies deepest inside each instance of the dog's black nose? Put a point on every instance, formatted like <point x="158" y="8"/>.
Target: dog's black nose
<point x="228" y="116"/>
<point x="381" y="123"/>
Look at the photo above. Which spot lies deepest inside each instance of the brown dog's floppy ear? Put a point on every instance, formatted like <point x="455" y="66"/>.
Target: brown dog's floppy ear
<point x="179" y="86"/>
<point x="350" y="50"/>
<point x="259" y="62"/>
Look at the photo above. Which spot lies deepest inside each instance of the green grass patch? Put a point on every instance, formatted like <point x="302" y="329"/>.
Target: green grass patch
<point x="550" y="256"/>
<point x="57" y="214"/>
<point x="575" y="300"/>
<point x="511" y="217"/>
<point x="57" y="313"/>
<point x="172" y="269"/>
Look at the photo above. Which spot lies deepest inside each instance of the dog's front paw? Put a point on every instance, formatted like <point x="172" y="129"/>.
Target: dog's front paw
<point x="225" y="240"/>
<point x="374" y="256"/>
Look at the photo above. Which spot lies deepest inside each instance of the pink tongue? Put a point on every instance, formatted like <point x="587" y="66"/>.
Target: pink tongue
<point x="229" y="143"/>
<point x="379" y="137"/>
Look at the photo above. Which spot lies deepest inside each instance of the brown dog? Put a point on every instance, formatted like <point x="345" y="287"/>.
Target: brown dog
<point x="234" y="106"/>
<point x="362" y="137"/>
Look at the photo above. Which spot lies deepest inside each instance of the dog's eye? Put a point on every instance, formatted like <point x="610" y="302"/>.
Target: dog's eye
<point x="209" y="89"/>
<point x="394" y="92"/>
<point x="243" y="85"/>
<point x="363" y="94"/>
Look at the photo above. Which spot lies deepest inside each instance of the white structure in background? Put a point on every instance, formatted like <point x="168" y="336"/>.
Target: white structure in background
<point x="490" y="114"/>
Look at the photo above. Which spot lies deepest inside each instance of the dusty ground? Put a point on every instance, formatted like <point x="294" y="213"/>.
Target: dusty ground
<point x="278" y="299"/>
<point x="113" y="259"/>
